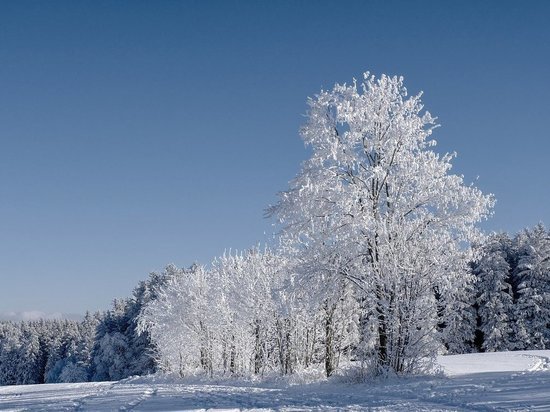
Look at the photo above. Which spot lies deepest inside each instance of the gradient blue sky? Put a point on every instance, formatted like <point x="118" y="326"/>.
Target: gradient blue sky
<point x="136" y="134"/>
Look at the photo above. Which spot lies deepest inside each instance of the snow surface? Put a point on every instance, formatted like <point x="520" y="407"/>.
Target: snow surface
<point x="518" y="381"/>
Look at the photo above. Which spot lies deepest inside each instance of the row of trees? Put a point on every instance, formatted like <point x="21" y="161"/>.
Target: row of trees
<point x="241" y="316"/>
<point x="248" y="314"/>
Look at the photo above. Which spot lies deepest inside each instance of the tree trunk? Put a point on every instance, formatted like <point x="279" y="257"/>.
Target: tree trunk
<point x="382" y="335"/>
<point x="288" y="358"/>
<point x="329" y="339"/>
<point x="232" y="356"/>
<point x="257" y="349"/>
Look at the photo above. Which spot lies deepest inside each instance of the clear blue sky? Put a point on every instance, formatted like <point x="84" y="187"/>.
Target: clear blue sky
<point x="136" y="134"/>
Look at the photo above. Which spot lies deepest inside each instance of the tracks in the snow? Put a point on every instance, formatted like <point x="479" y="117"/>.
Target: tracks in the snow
<point x="138" y="401"/>
<point x="117" y="395"/>
<point x="541" y="363"/>
<point x="81" y="402"/>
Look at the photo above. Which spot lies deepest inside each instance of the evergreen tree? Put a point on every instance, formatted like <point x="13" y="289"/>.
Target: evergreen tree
<point x="9" y="353"/>
<point x="495" y="297"/>
<point x="532" y="309"/>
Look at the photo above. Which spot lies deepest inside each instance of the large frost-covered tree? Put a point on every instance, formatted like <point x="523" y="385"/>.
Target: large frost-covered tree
<point x="376" y="206"/>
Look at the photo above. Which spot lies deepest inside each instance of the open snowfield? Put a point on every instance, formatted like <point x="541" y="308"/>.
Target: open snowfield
<point x="518" y="381"/>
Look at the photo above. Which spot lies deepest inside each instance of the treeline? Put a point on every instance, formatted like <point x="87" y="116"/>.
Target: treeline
<point x="103" y="346"/>
<point x="46" y="351"/>
<point x="240" y="316"/>
<point x="244" y="316"/>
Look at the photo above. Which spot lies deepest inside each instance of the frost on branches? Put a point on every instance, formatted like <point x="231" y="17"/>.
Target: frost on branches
<point x="495" y="296"/>
<point x="221" y="320"/>
<point x="242" y="316"/>
<point x="375" y="206"/>
<point x="532" y="278"/>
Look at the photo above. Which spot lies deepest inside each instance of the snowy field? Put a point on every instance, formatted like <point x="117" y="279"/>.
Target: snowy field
<point x="518" y="381"/>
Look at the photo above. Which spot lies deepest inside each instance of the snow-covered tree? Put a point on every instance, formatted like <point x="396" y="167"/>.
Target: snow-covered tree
<point x="178" y="320"/>
<point x="119" y="350"/>
<point x="327" y="312"/>
<point x="28" y="370"/>
<point x="9" y="352"/>
<point x="221" y="320"/>
<point x="111" y="355"/>
<point x="376" y="206"/>
<point x="63" y="351"/>
<point x="458" y="326"/>
<point x="532" y="320"/>
<point x="495" y="296"/>
<point x="246" y="291"/>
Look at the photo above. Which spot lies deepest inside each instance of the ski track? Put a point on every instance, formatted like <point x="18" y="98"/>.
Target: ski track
<point x="526" y="389"/>
<point x="81" y="402"/>
<point x="542" y="362"/>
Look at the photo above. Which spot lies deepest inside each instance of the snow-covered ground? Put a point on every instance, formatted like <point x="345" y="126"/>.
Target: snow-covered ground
<point x="518" y="381"/>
